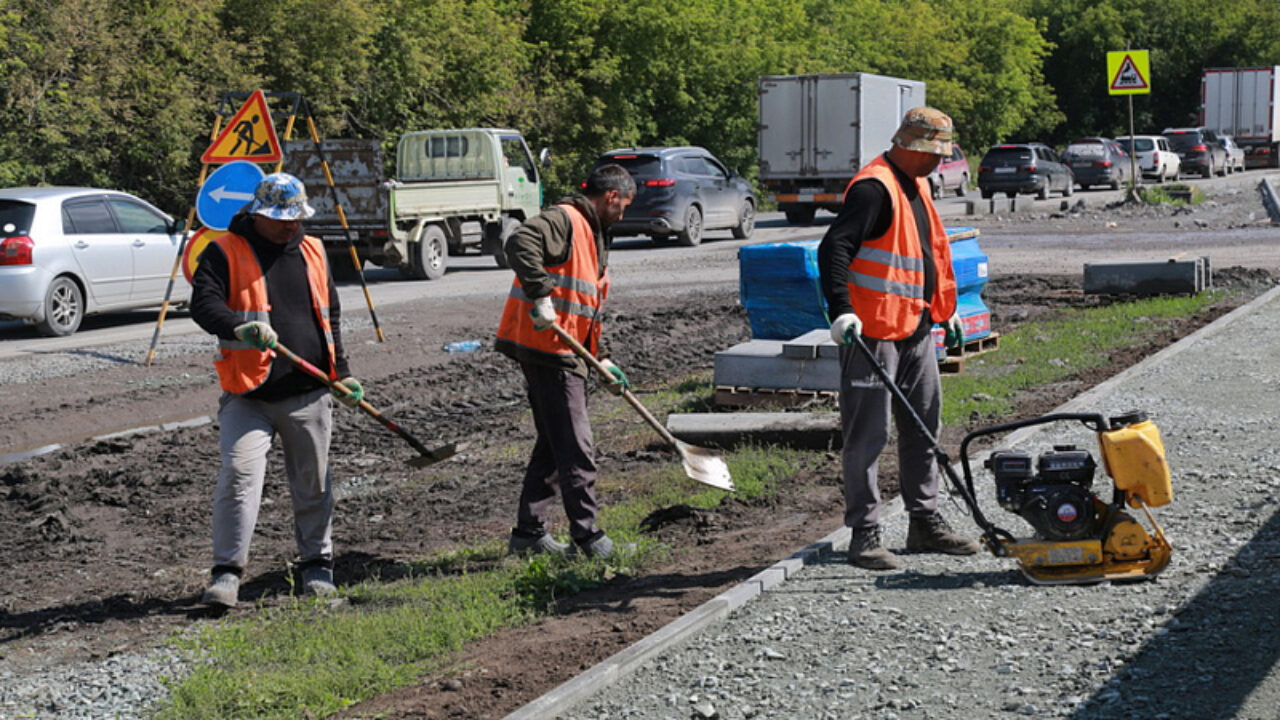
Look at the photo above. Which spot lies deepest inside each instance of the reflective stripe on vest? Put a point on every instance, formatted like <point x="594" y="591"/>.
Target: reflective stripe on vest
<point x="243" y="368"/>
<point x="886" y="275"/>
<point x="579" y="291"/>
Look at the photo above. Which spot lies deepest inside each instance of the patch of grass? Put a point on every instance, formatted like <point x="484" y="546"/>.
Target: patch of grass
<point x="1039" y="354"/>
<point x="1171" y="194"/>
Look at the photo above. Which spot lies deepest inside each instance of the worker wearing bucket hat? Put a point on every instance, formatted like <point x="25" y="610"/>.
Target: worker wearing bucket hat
<point x="885" y="267"/>
<point x="260" y="283"/>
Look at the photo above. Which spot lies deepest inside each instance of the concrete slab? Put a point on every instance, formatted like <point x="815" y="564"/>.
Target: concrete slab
<point x="762" y="364"/>
<point x="1144" y="278"/>
<point x="810" y="431"/>
<point x="813" y="344"/>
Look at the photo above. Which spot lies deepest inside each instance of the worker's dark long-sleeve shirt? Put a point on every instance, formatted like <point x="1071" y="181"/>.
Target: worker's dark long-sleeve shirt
<point x="866" y="215"/>
<point x="292" y="316"/>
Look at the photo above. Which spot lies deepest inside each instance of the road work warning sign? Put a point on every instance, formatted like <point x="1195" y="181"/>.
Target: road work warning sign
<point x="1129" y="72"/>
<point x="250" y="135"/>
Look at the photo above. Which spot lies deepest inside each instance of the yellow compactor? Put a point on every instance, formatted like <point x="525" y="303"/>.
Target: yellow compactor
<point x="1079" y="536"/>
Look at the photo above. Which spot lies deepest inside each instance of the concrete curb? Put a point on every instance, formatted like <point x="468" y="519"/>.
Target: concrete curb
<point x="622" y="663"/>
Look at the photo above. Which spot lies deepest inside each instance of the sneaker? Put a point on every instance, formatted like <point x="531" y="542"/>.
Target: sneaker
<point x="318" y="580"/>
<point x="224" y="592"/>
<point x="931" y="533"/>
<point x="865" y="550"/>
<point x="524" y="545"/>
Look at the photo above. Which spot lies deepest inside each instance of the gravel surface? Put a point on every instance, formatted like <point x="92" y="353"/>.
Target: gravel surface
<point x="120" y="687"/>
<point x="970" y="638"/>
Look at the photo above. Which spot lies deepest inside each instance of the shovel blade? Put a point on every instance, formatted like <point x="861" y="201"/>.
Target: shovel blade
<point x="706" y="466"/>
<point x="434" y="455"/>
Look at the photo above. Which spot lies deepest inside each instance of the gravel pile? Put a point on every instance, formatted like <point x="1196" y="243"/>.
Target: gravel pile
<point x="101" y="357"/>
<point x="121" y="687"/>
<point x="970" y="638"/>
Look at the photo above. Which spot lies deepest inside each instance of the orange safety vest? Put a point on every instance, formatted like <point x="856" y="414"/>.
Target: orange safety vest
<point x="579" y="292"/>
<point x="886" y="276"/>
<point x="243" y="368"/>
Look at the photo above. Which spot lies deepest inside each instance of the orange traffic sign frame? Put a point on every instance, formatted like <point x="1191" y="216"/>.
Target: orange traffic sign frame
<point x="249" y="135"/>
<point x="195" y="246"/>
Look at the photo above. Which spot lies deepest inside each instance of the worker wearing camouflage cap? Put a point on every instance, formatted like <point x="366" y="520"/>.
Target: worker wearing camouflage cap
<point x="261" y="283"/>
<point x="886" y="272"/>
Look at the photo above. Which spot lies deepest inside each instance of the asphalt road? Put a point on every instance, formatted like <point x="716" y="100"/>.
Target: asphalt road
<point x="639" y="267"/>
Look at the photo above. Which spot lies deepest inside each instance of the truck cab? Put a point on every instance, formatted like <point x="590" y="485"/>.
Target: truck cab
<point x="456" y="189"/>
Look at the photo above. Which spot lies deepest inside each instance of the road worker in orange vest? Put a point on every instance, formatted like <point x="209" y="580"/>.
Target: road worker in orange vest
<point x="560" y="259"/>
<point x="885" y="268"/>
<point x="264" y="282"/>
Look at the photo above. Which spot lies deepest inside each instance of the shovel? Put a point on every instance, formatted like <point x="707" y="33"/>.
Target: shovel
<point x="701" y="464"/>
<point x="426" y="456"/>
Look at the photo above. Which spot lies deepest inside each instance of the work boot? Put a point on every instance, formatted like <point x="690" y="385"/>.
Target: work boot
<point x="318" y="580"/>
<point x="865" y="550"/>
<point x="599" y="546"/>
<point x="523" y="545"/>
<point x="931" y="533"/>
<point x="224" y="592"/>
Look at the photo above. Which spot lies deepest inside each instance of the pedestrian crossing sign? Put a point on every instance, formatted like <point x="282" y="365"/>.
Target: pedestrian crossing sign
<point x="250" y="135"/>
<point x="1129" y="72"/>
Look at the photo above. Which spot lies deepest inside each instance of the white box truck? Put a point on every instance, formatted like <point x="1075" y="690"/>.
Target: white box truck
<point x="1241" y="102"/>
<point x="817" y="131"/>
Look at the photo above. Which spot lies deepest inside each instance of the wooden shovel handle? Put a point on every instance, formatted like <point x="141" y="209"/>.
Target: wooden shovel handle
<point x="627" y="395"/>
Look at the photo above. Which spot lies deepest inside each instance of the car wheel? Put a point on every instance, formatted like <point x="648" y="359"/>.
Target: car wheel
<point x="962" y="188"/>
<point x="1084" y="186"/>
<point x="431" y="255"/>
<point x="691" y="235"/>
<point x="1209" y="171"/>
<point x="498" y="249"/>
<point x="1066" y="192"/>
<point x="746" y="220"/>
<point x="800" y="215"/>
<point x="1043" y="192"/>
<point x="63" y="308"/>
<point x="1115" y="184"/>
<point x="986" y="194"/>
<point x="341" y="266"/>
<point x="935" y="189"/>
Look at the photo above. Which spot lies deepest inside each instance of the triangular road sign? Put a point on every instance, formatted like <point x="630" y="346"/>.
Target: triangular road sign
<point x="250" y="135"/>
<point x="1128" y="77"/>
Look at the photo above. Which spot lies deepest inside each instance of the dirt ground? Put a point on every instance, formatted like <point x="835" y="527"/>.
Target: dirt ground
<point x="107" y="542"/>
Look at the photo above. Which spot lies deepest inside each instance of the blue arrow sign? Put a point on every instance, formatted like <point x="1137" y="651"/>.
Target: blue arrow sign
<point x="227" y="190"/>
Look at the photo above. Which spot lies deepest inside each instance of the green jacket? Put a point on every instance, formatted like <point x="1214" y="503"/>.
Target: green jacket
<point x="545" y="241"/>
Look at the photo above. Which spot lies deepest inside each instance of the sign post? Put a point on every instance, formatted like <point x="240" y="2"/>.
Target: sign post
<point x="1129" y="73"/>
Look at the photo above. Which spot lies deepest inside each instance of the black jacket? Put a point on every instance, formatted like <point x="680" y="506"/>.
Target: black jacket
<point x="292" y="316"/>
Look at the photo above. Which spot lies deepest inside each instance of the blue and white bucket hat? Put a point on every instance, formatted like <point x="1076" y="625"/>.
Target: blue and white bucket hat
<point x="281" y="196"/>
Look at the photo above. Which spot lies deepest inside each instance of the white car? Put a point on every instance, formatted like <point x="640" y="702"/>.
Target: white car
<point x="1235" y="154"/>
<point x="1156" y="159"/>
<point x="66" y="252"/>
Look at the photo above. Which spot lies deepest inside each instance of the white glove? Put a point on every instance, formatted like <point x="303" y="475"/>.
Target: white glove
<point x="954" y="328"/>
<point x="543" y="313"/>
<point x="844" y="327"/>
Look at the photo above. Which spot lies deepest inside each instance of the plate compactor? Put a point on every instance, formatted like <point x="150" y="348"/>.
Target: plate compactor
<point x="1079" y="537"/>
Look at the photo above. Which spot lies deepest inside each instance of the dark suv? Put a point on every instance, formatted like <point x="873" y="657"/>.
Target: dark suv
<point x="1097" y="161"/>
<point x="1200" y="150"/>
<point x="1024" y="168"/>
<point x="680" y="192"/>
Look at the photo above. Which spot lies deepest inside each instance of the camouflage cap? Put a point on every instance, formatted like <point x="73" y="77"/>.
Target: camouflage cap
<point x="925" y="129"/>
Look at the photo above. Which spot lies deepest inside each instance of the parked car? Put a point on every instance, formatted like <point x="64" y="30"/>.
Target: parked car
<point x="67" y="252"/>
<point x="1024" y="168"/>
<point x="1235" y="154"/>
<point x="1097" y="161"/>
<point x="952" y="174"/>
<point x="1156" y="159"/>
<point x="682" y="192"/>
<point x="1200" y="150"/>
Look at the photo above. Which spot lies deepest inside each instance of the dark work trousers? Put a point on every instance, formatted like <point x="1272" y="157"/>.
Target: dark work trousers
<point x="864" y="419"/>
<point x="563" y="456"/>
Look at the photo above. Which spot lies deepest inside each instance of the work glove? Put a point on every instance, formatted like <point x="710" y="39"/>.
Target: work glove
<point x="543" y="313"/>
<point x="618" y="379"/>
<point x="955" y="331"/>
<point x="845" y="327"/>
<point x="354" y="392"/>
<point x="258" y="334"/>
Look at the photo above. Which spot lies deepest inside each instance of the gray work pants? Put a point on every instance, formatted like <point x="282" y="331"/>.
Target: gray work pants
<point x="246" y="429"/>
<point x="563" y="455"/>
<point x="864" y="418"/>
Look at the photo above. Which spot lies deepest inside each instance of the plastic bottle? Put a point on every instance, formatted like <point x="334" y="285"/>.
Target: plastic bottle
<point x="463" y="346"/>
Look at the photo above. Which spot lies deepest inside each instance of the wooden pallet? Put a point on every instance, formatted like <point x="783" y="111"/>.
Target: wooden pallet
<point x="956" y="357"/>
<point x="729" y="396"/>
